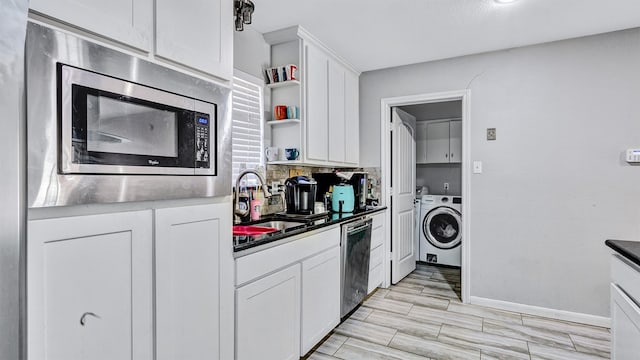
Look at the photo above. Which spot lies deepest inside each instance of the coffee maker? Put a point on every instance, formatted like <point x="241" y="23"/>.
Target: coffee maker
<point x="300" y="195"/>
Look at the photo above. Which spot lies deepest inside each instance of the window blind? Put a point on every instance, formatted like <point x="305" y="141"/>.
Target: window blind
<point x="247" y="126"/>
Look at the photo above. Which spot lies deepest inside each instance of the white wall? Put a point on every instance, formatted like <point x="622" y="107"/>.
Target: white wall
<point x="435" y="175"/>
<point x="250" y="52"/>
<point x="555" y="185"/>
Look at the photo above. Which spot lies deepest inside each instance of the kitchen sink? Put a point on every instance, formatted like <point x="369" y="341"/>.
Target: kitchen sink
<point x="282" y="224"/>
<point x="258" y="229"/>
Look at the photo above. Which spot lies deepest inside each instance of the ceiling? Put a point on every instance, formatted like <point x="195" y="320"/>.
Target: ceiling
<point x="376" y="34"/>
<point x="435" y="111"/>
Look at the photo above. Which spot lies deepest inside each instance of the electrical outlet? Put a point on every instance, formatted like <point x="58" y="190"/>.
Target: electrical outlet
<point x="491" y="133"/>
<point x="446" y="186"/>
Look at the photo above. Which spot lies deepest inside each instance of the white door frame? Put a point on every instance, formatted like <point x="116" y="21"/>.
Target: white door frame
<point x="385" y="163"/>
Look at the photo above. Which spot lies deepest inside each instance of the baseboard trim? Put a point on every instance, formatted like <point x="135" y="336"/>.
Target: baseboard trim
<point x="543" y="312"/>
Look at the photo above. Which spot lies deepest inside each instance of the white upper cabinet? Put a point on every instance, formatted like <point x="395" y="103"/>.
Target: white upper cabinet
<point x="329" y="102"/>
<point x="317" y="108"/>
<point x="439" y="142"/>
<point x="455" y="141"/>
<point x="197" y="34"/>
<point x="352" y="118"/>
<point x="421" y="142"/>
<point x="337" y="124"/>
<point x="127" y="21"/>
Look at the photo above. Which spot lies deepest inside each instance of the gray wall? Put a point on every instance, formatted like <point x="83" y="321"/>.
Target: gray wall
<point x="250" y="52"/>
<point x="555" y="184"/>
<point x="435" y="175"/>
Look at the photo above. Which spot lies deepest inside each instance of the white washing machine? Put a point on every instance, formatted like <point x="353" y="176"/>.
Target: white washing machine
<point x="441" y="229"/>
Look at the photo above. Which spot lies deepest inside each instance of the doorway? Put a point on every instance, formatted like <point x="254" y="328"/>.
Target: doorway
<point x="446" y="175"/>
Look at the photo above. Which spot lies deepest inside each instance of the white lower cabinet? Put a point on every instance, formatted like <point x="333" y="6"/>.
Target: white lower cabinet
<point x="190" y="288"/>
<point x="320" y="297"/>
<point x="377" y="253"/>
<point x="268" y="317"/>
<point x="288" y="296"/>
<point x="625" y="320"/>
<point x="625" y="309"/>
<point x="89" y="287"/>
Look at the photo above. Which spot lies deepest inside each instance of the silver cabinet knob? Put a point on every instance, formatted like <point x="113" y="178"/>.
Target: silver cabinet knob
<point x="83" y="318"/>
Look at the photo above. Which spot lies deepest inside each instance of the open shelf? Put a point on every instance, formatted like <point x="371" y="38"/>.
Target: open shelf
<point x="283" y="84"/>
<point x="284" y="162"/>
<point x="283" y="121"/>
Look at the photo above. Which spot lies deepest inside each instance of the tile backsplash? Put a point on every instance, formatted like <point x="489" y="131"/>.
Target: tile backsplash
<point x="281" y="173"/>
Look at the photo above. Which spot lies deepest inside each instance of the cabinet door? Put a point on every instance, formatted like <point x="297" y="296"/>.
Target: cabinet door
<point x="438" y="142"/>
<point x="197" y="34"/>
<point x="188" y="247"/>
<point x="455" y="141"/>
<point x="421" y="142"/>
<point x="126" y="21"/>
<point x="90" y="288"/>
<point x="352" y="119"/>
<point x="320" y="297"/>
<point x="317" y="121"/>
<point x="625" y="325"/>
<point x="268" y="317"/>
<point x="337" y="127"/>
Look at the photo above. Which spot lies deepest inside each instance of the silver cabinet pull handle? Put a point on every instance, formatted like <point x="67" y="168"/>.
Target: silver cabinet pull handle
<point x="83" y="318"/>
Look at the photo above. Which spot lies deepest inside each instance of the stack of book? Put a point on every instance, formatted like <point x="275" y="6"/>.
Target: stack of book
<point x="281" y="73"/>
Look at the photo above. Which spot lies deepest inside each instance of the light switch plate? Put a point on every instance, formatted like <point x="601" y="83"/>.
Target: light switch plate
<point x="491" y="133"/>
<point x="477" y="167"/>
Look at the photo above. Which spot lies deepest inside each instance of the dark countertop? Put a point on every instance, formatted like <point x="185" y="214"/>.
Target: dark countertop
<point x="241" y="243"/>
<point x="628" y="249"/>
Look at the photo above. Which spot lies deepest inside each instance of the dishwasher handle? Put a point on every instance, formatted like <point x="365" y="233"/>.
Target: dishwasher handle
<point x="359" y="226"/>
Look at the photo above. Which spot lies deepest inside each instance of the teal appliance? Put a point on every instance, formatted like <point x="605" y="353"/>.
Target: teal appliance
<point x="343" y="198"/>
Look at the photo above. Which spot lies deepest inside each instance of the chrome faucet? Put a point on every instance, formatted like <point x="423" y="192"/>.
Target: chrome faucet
<point x="236" y="208"/>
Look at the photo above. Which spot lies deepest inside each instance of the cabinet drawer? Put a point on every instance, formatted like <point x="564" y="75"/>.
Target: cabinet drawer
<point x="626" y="275"/>
<point x="377" y="237"/>
<point x="266" y="261"/>
<point x="376" y="257"/>
<point x="625" y="325"/>
<point x="375" y="278"/>
<point x="378" y="220"/>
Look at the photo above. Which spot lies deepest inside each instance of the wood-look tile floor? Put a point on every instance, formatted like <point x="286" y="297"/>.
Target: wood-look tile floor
<point x="422" y="317"/>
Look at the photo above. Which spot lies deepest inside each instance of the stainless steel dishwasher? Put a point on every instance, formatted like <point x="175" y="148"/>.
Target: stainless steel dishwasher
<point x="355" y="247"/>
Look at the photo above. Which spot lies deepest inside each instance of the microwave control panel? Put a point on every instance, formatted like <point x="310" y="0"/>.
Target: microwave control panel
<point x="202" y="140"/>
<point x="633" y="155"/>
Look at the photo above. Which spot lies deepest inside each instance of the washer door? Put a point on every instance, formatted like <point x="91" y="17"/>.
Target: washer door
<point x="442" y="227"/>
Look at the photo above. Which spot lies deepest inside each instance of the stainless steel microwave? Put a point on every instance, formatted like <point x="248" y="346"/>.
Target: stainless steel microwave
<point x="105" y="126"/>
<point x="114" y="126"/>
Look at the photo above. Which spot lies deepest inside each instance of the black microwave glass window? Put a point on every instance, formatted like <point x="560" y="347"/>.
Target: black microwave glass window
<point x="122" y="127"/>
<point x="113" y="129"/>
